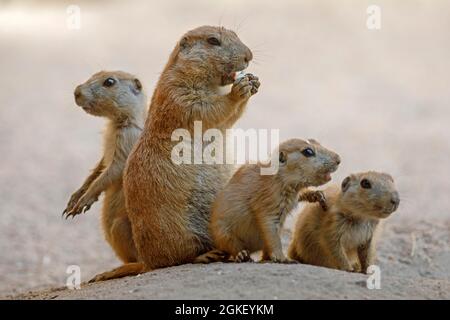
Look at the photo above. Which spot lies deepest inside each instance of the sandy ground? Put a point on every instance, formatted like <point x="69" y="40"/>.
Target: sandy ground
<point x="379" y="98"/>
<point x="402" y="276"/>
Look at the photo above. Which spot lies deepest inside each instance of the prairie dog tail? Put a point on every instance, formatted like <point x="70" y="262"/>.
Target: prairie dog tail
<point x="213" y="256"/>
<point x="128" y="269"/>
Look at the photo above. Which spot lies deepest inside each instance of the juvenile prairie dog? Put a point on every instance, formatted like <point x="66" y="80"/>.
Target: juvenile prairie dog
<point x="249" y="212"/>
<point x="117" y="96"/>
<point x="169" y="204"/>
<point x="343" y="236"/>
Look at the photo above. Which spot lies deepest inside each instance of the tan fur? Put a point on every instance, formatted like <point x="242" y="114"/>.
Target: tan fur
<point x="344" y="236"/>
<point x="124" y="105"/>
<point x="249" y="212"/>
<point x="169" y="204"/>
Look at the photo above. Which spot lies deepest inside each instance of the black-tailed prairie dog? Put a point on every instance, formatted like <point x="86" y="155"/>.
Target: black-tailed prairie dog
<point x="249" y="212"/>
<point x="117" y="96"/>
<point x="343" y="237"/>
<point x="169" y="204"/>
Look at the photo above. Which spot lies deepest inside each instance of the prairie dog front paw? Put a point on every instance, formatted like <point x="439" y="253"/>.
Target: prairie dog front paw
<point x="83" y="205"/>
<point x="314" y="196"/>
<point x="244" y="87"/>
<point x="73" y="200"/>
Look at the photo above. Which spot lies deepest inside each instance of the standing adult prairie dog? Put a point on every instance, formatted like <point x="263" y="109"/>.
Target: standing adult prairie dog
<point x="249" y="212"/>
<point x="169" y="204"/>
<point x="343" y="237"/>
<point x="117" y="96"/>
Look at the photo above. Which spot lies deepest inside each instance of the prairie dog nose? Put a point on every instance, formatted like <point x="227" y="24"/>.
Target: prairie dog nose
<point x="77" y="92"/>
<point x="248" y="56"/>
<point x="78" y="95"/>
<point x="395" y="200"/>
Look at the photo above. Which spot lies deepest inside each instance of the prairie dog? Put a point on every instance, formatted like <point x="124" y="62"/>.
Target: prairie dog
<point x="343" y="237"/>
<point x="169" y="204"/>
<point x="249" y="212"/>
<point x="117" y="96"/>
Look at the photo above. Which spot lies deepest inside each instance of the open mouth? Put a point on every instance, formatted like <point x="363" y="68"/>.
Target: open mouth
<point x="321" y="178"/>
<point x="327" y="175"/>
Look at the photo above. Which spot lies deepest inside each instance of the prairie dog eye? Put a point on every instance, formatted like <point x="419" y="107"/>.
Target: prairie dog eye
<point x="365" y="184"/>
<point x="308" y="152"/>
<point x="213" y="41"/>
<point x="109" y="82"/>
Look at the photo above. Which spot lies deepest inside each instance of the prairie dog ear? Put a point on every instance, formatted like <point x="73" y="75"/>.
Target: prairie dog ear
<point x="345" y="184"/>
<point x="390" y="177"/>
<point x="138" y="84"/>
<point x="283" y="157"/>
<point x="136" y="87"/>
<point x="184" y="43"/>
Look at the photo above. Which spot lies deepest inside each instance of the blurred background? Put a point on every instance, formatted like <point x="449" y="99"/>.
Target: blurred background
<point x="380" y="98"/>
